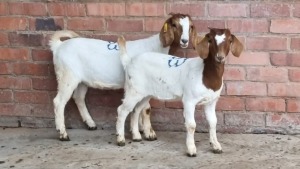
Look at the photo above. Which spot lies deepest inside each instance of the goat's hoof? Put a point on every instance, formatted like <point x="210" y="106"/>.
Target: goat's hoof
<point x="217" y="151"/>
<point x="137" y="140"/>
<point x="92" y="128"/>
<point x="191" y="155"/>
<point x="64" y="138"/>
<point x="121" y="143"/>
<point x="151" y="138"/>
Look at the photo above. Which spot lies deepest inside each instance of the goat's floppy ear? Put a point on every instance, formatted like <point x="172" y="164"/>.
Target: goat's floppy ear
<point x="202" y="46"/>
<point x="236" y="46"/>
<point x="194" y="35"/>
<point x="166" y="34"/>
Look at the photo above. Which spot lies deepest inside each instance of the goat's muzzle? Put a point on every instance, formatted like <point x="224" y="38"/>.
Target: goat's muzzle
<point x="184" y="43"/>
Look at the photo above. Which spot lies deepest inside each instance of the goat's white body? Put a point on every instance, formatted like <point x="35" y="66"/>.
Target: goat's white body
<point x="82" y="62"/>
<point x="165" y="77"/>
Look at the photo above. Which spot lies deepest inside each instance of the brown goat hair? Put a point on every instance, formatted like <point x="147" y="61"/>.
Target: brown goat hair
<point x="214" y="55"/>
<point x="171" y="31"/>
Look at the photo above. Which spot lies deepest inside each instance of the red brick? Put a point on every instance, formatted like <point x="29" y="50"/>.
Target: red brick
<point x="25" y="39"/>
<point x="250" y="58"/>
<point x="157" y="104"/>
<point x="244" y="119"/>
<point x="6" y="96"/>
<point x="267" y="74"/>
<point x="31" y="69"/>
<point x="174" y="104"/>
<point x="112" y="99"/>
<point x="285" y="26"/>
<point x="202" y="25"/>
<point x="295" y="43"/>
<point x="154" y="9"/>
<point x="124" y="25"/>
<point x="227" y="10"/>
<point x="44" y="84"/>
<point x="14" y="54"/>
<point x="66" y="9"/>
<point x="267" y="43"/>
<point x="294" y="75"/>
<point x="134" y="9"/>
<point x="3" y="8"/>
<point x="234" y="73"/>
<point x="31" y="97"/>
<point x="7" y="109"/>
<point x="265" y="104"/>
<point x="86" y="24"/>
<point x="59" y="24"/>
<point x="5" y="68"/>
<point x="3" y="39"/>
<point x="283" y="120"/>
<point x="41" y="55"/>
<point x="197" y="9"/>
<point x="248" y="25"/>
<point x="230" y="103"/>
<point x="21" y="8"/>
<point x="13" y="23"/>
<point x="246" y="88"/>
<point x="269" y="10"/>
<point x="153" y="24"/>
<point x="293" y="106"/>
<point x="15" y="83"/>
<point x="284" y="89"/>
<point x="285" y="59"/>
<point x="106" y="9"/>
<point x="296" y="10"/>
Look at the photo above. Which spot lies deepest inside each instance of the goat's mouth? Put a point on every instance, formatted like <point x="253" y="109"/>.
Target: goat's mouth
<point x="184" y="45"/>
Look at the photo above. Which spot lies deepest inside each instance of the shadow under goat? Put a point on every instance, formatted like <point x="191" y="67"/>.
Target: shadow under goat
<point x="84" y="62"/>
<point x="194" y="81"/>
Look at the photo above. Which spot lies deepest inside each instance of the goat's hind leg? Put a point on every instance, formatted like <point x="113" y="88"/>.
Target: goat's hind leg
<point x="149" y="133"/>
<point x="66" y="85"/>
<point x="129" y="102"/>
<point x="78" y="96"/>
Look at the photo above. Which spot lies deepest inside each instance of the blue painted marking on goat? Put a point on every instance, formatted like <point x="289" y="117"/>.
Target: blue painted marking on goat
<point x="176" y="61"/>
<point x="112" y="46"/>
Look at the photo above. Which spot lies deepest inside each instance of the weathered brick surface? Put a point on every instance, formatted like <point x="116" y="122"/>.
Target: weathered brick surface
<point x="261" y="87"/>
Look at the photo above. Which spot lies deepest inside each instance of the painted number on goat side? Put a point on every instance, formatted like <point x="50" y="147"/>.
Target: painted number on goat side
<point x="176" y="61"/>
<point x="112" y="46"/>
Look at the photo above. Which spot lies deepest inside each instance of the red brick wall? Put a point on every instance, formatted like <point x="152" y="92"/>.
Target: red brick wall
<point x="262" y="87"/>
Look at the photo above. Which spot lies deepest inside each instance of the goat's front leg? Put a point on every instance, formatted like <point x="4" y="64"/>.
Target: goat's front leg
<point x="211" y="117"/>
<point x="190" y="124"/>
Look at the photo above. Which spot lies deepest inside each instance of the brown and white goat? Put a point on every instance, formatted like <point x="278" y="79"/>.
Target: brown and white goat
<point x="82" y="62"/>
<point x="166" y="77"/>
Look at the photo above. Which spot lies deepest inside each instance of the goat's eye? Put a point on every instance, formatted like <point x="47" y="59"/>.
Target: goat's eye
<point x="209" y="40"/>
<point x="192" y="27"/>
<point x="174" y="25"/>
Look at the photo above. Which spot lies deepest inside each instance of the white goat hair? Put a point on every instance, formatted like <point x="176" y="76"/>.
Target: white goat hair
<point x="83" y="62"/>
<point x="166" y="77"/>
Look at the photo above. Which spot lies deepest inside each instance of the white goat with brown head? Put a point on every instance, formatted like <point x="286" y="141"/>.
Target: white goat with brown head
<point x="166" y="77"/>
<point x="82" y="62"/>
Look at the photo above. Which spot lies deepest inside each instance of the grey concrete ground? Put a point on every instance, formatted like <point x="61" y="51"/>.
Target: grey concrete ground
<point x="40" y="149"/>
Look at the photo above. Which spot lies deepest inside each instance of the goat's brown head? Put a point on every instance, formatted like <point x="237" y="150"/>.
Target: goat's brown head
<point x="177" y="31"/>
<point x="217" y="44"/>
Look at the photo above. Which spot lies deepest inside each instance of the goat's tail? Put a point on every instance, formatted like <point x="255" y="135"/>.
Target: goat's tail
<point x="123" y="52"/>
<point x="55" y="41"/>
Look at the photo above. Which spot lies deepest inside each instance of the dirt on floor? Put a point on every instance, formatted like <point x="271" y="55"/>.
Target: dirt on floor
<point x="41" y="149"/>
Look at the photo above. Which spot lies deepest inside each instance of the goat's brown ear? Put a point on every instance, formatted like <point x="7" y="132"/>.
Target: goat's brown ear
<point x="194" y="35"/>
<point x="166" y="34"/>
<point x="236" y="46"/>
<point x="202" y="46"/>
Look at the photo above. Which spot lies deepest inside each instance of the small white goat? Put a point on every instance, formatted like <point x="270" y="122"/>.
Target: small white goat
<point x="166" y="77"/>
<point x="82" y="62"/>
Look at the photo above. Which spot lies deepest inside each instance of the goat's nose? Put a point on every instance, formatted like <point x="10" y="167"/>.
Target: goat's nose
<point x="184" y="41"/>
<point x="220" y="58"/>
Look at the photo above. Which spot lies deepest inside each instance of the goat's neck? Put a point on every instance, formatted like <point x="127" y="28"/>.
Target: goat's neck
<point x="213" y="73"/>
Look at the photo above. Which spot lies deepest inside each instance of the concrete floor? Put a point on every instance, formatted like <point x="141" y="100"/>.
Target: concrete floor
<point x="40" y="149"/>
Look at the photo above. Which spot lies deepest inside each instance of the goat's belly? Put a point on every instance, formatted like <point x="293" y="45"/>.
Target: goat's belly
<point x="102" y="85"/>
